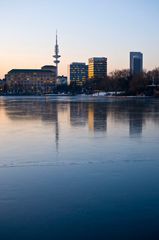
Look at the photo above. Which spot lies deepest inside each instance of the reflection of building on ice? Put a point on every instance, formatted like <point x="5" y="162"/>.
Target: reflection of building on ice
<point x="135" y="124"/>
<point x="97" y="117"/>
<point x="78" y="114"/>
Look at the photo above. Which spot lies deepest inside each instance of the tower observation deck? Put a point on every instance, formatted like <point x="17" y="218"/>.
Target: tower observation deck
<point x="57" y="56"/>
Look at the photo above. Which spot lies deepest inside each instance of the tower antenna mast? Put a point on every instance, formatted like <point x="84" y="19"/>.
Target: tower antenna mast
<point x="56" y="56"/>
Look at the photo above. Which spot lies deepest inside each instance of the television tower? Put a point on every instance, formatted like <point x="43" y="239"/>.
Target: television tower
<point x="56" y="56"/>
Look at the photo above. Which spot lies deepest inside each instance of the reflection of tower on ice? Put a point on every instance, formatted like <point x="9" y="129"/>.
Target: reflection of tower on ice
<point x="57" y="56"/>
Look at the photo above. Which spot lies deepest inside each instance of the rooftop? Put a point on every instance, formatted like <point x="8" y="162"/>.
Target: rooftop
<point x="29" y="70"/>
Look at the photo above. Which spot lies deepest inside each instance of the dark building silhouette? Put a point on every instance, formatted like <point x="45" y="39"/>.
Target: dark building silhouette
<point x="136" y="63"/>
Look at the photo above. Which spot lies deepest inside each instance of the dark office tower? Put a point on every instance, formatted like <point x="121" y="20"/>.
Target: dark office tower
<point x="136" y="63"/>
<point x="97" y="68"/>
<point x="78" y="73"/>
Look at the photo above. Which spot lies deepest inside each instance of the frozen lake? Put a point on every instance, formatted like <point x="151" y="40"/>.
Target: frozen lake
<point x="79" y="168"/>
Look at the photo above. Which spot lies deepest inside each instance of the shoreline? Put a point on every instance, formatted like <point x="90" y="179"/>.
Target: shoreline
<point x="80" y="95"/>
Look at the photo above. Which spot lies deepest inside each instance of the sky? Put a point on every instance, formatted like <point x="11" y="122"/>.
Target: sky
<point x="86" y="28"/>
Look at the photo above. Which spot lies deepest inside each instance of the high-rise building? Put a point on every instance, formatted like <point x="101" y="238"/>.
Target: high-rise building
<point x="97" y="68"/>
<point x="78" y="73"/>
<point x="136" y="63"/>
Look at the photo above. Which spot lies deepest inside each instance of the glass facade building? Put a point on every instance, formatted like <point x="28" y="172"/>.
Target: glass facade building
<point x="78" y="73"/>
<point x="136" y="63"/>
<point x="97" y="68"/>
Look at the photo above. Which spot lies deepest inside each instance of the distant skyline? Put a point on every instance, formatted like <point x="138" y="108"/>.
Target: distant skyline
<point x="107" y="28"/>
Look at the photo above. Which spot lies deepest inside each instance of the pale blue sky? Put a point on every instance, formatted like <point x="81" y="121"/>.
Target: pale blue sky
<point x="87" y="28"/>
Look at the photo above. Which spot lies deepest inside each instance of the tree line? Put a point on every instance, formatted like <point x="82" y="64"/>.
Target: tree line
<point x="121" y="82"/>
